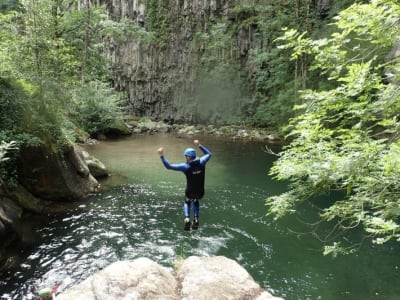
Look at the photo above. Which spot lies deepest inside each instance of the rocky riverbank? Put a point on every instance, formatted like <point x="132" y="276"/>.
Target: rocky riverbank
<point x="49" y="182"/>
<point x="146" y="125"/>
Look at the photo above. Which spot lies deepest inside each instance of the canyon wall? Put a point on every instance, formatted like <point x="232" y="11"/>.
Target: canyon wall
<point x="165" y="78"/>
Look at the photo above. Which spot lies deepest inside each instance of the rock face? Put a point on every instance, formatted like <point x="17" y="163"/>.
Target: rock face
<point x="56" y="175"/>
<point x="10" y="214"/>
<point x="197" y="278"/>
<point x="96" y="167"/>
<point x="159" y="78"/>
<point x="49" y="180"/>
<point x="163" y="78"/>
<point x="217" y="278"/>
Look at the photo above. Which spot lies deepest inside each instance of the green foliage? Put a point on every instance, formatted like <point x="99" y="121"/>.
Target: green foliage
<point x="10" y="143"/>
<point x="8" y="44"/>
<point x="49" y="49"/>
<point x="274" y="92"/>
<point x="218" y="44"/>
<point x="18" y="113"/>
<point x="158" y="21"/>
<point x="273" y="78"/>
<point x="97" y="108"/>
<point x="53" y="48"/>
<point x="60" y="42"/>
<point x="23" y="117"/>
<point x="7" y="5"/>
<point x="50" y="41"/>
<point x="5" y="147"/>
<point x="124" y="28"/>
<point x="346" y="137"/>
<point x="12" y="105"/>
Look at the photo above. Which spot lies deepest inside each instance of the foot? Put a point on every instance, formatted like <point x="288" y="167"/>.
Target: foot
<point x="195" y="224"/>
<point x="187" y="224"/>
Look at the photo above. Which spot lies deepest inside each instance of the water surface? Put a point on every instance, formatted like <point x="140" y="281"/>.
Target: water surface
<point x="138" y="212"/>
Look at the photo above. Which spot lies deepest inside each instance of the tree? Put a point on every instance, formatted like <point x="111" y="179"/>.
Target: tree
<point x="7" y="5"/>
<point x="239" y="47"/>
<point x="273" y="79"/>
<point x="346" y="138"/>
<point x="54" y="49"/>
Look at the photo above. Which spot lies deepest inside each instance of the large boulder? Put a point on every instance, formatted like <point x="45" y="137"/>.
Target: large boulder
<point x="139" y="279"/>
<point x="55" y="174"/>
<point x="196" y="278"/>
<point x="27" y="201"/>
<point x="48" y="180"/>
<point x="96" y="167"/>
<point x="10" y="215"/>
<point x="217" y="278"/>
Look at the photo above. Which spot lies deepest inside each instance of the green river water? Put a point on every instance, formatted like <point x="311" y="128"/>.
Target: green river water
<point x="138" y="212"/>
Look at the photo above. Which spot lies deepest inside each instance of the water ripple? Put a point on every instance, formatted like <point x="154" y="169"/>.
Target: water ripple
<point x="138" y="219"/>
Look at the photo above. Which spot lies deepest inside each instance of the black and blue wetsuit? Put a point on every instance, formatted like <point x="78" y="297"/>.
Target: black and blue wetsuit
<point x="194" y="171"/>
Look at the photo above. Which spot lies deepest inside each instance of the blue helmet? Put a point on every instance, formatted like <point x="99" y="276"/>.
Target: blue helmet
<point x="189" y="152"/>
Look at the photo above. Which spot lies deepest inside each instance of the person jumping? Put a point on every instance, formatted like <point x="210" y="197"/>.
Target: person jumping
<point x="194" y="170"/>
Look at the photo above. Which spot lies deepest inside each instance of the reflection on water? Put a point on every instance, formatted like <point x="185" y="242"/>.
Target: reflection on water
<point x="139" y="213"/>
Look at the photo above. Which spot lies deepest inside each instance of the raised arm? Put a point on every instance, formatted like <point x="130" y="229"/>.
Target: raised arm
<point x="176" y="167"/>
<point x="206" y="152"/>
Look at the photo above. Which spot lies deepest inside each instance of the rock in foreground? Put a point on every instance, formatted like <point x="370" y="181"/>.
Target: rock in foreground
<point x="197" y="278"/>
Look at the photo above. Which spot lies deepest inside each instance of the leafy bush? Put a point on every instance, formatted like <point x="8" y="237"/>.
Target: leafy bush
<point x="12" y="104"/>
<point x="97" y="108"/>
<point x="7" y="5"/>
<point x="4" y="159"/>
<point x="346" y="137"/>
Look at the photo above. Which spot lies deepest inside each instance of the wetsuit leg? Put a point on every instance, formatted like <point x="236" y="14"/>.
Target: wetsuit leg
<point x="186" y="208"/>
<point x="196" y="208"/>
<point x="186" y="211"/>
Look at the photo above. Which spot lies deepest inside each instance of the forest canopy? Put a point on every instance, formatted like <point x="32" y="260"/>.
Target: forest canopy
<point x="345" y="139"/>
<point x="53" y="58"/>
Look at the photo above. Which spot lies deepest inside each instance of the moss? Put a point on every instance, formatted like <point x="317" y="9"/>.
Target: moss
<point x="158" y="20"/>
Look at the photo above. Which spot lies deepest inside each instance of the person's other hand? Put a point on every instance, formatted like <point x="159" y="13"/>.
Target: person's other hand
<point x="160" y="151"/>
<point x="196" y="142"/>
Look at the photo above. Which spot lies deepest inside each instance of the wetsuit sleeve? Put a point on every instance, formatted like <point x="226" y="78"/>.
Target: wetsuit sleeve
<point x="176" y="167"/>
<point x="207" y="155"/>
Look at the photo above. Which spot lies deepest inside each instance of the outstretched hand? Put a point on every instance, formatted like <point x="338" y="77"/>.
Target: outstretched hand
<point x="160" y="151"/>
<point x="196" y="142"/>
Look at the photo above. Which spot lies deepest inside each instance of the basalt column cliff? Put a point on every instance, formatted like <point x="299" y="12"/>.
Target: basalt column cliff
<point x="159" y="75"/>
<point x="167" y="64"/>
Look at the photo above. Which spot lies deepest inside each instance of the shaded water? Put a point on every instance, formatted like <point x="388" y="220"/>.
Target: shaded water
<point x="138" y="212"/>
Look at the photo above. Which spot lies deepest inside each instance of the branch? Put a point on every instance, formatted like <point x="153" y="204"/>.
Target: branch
<point x="269" y="151"/>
